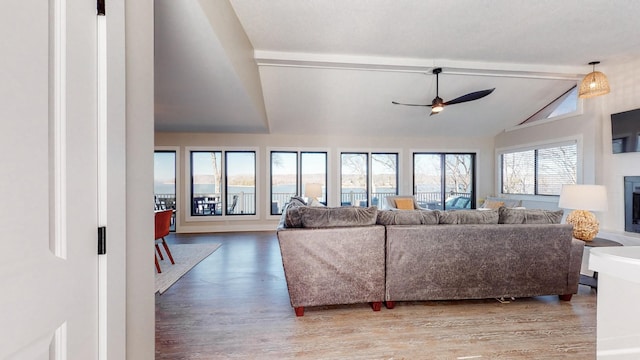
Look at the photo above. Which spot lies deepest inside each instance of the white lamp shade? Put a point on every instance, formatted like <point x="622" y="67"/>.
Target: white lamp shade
<point x="313" y="190"/>
<point x="583" y="197"/>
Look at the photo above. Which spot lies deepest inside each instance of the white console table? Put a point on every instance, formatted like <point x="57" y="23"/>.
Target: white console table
<point x="618" y="315"/>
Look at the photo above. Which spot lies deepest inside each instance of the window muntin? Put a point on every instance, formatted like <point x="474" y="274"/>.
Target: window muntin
<point x="291" y="171"/>
<point x="444" y="180"/>
<point x="539" y="171"/>
<point x="240" y="182"/>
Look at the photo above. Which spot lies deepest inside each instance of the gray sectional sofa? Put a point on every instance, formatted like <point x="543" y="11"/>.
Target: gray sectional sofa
<point x="353" y="255"/>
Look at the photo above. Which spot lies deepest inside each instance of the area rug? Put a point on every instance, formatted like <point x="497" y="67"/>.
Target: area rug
<point x="186" y="257"/>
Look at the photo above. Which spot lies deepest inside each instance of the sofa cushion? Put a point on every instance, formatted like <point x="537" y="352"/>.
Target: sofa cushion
<point x="529" y="216"/>
<point x="323" y="217"/>
<point x="408" y="217"/>
<point x="492" y="204"/>
<point x="469" y="217"/>
<point x="404" y="204"/>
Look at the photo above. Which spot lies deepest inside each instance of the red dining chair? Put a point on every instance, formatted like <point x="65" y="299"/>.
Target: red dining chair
<point x="163" y="224"/>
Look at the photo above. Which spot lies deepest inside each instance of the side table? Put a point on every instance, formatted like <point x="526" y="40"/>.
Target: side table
<point x="592" y="281"/>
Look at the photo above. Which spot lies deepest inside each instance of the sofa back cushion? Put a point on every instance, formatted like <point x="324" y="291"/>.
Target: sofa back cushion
<point x="529" y="216"/>
<point x="408" y="217"/>
<point x="468" y="217"/>
<point x="323" y="217"/>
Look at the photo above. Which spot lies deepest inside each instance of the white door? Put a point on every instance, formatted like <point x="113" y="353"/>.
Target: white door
<point x="48" y="180"/>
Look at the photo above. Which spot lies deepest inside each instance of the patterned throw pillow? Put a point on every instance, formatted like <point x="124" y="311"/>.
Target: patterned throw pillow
<point x="290" y="215"/>
<point x="404" y="204"/>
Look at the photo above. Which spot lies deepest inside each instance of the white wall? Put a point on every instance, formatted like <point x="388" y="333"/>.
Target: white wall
<point x="483" y="147"/>
<point x="593" y="126"/>
<point x="625" y="95"/>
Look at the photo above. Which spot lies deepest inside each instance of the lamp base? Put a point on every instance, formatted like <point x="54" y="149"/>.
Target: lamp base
<point x="585" y="224"/>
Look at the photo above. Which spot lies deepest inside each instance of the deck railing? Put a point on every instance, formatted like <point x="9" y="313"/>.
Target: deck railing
<point x="246" y="203"/>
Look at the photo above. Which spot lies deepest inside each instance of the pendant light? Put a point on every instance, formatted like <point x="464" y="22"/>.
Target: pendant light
<point x="594" y="83"/>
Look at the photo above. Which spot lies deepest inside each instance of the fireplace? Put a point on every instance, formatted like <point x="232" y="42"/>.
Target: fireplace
<point x="632" y="204"/>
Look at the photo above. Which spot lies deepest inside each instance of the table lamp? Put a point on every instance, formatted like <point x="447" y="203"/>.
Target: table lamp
<point x="312" y="191"/>
<point x="583" y="199"/>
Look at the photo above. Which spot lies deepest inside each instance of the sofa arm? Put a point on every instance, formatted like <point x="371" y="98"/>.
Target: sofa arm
<point x="332" y="266"/>
<point x="575" y="263"/>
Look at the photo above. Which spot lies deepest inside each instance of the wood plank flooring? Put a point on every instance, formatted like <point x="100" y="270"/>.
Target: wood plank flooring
<point x="235" y="305"/>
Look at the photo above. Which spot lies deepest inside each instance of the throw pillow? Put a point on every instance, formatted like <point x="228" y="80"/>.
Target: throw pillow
<point x="492" y="204"/>
<point x="489" y="216"/>
<point x="411" y="217"/>
<point x="529" y="216"/>
<point x="404" y="204"/>
<point x="322" y="217"/>
<point x="290" y="215"/>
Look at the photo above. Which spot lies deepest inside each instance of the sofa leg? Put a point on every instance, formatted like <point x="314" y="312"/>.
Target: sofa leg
<point x="565" y="297"/>
<point x="299" y="310"/>
<point x="390" y="304"/>
<point x="377" y="305"/>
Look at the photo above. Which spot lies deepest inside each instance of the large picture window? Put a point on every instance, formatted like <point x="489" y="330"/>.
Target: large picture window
<point x="444" y="180"/>
<point x="297" y="173"/>
<point x="539" y="171"/>
<point x="223" y="183"/>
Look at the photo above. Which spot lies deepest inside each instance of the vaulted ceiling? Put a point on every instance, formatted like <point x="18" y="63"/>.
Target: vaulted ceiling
<point x="334" y="66"/>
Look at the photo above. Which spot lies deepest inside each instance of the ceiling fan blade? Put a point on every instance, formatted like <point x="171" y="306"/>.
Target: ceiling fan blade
<point x="470" y="97"/>
<point x="397" y="103"/>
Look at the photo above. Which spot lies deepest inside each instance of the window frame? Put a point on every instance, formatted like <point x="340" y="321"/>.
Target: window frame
<point x="188" y="189"/>
<point x="443" y="173"/>
<point x="299" y="184"/>
<point x="369" y="178"/>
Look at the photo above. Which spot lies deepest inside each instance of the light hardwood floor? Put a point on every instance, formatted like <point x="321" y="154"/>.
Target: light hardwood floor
<point x="235" y="305"/>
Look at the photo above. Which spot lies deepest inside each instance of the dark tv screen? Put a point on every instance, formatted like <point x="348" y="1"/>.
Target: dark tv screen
<point x="625" y="131"/>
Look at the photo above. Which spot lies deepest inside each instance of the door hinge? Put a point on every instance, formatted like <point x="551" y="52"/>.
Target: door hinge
<point x="102" y="240"/>
<point x="101" y="8"/>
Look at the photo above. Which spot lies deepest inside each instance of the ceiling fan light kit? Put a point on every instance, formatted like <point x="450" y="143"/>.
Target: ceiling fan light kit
<point x="594" y="83"/>
<point x="437" y="104"/>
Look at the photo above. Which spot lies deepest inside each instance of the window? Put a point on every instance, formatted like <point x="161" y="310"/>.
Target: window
<point x="164" y="181"/>
<point x="292" y="171"/>
<point x="356" y="172"/>
<point x="566" y="103"/>
<point x="209" y="196"/>
<point x="539" y="171"/>
<point x="240" y="182"/>
<point x="444" y="180"/>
